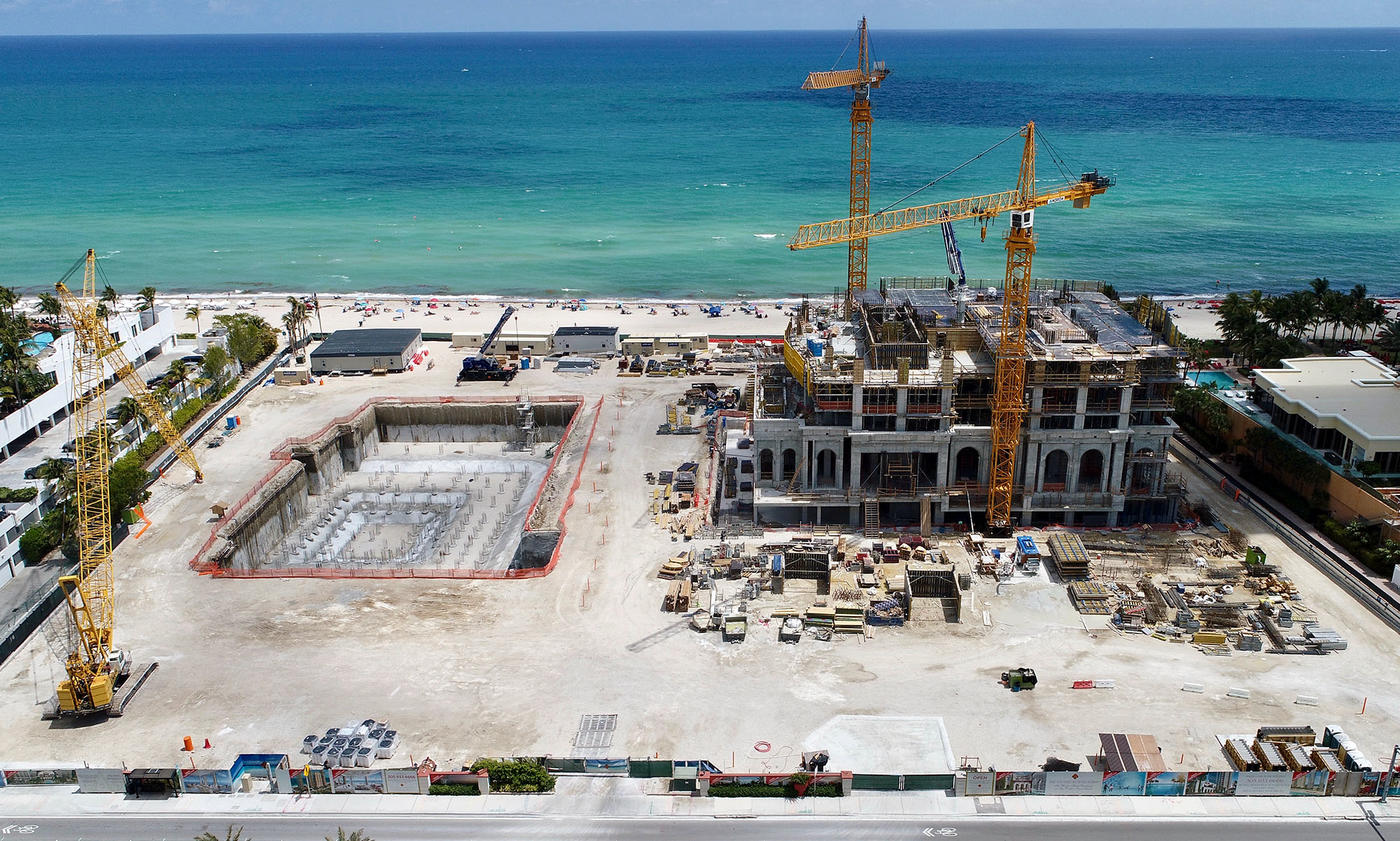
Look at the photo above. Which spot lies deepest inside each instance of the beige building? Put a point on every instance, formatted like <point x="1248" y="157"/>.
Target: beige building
<point x="665" y="345"/>
<point x="886" y="416"/>
<point x="1346" y="405"/>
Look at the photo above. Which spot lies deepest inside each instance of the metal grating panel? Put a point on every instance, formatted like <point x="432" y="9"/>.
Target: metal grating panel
<point x="595" y="732"/>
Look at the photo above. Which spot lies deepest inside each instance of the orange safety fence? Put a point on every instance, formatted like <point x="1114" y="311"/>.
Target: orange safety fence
<point x="283" y="454"/>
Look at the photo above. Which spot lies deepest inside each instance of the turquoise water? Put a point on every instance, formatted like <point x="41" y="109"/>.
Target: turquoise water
<point x="1215" y="378"/>
<point x="679" y="164"/>
<point x="36" y="343"/>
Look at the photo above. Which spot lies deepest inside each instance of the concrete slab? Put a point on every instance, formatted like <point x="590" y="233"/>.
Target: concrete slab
<point x="884" y="744"/>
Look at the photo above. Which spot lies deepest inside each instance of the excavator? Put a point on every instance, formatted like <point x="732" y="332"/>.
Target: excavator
<point x="1020" y="204"/>
<point x="98" y="676"/>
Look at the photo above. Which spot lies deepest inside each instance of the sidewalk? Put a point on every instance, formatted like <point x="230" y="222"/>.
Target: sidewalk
<point x="621" y="797"/>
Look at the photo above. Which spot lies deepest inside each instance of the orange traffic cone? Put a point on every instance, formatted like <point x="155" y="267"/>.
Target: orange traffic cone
<point x="207" y="745"/>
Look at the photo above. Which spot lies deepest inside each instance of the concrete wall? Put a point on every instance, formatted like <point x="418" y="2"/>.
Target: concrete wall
<point x="315" y="465"/>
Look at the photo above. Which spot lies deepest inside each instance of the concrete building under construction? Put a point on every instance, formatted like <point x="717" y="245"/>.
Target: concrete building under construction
<point x="883" y="419"/>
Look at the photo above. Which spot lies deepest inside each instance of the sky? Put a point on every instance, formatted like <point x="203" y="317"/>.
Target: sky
<point x="157" y="17"/>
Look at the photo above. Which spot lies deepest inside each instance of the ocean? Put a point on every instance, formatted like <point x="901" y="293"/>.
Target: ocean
<point x="678" y="164"/>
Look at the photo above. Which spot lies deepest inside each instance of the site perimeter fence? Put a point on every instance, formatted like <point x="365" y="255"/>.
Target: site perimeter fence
<point x="1359" y="586"/>
<point x="283" y="455"/>
<point x="1309" y="783"/>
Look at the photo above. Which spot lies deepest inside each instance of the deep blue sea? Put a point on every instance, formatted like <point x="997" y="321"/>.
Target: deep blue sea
<point x="678" y="164"/>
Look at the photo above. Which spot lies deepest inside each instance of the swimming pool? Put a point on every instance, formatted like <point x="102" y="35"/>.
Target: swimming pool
<point x="1219" y="379"/>
<point x="35" y="344"/>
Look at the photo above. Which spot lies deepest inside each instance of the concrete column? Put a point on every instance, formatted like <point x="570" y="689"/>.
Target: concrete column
<point x="857" y="405"/>
<point x="1072" y="469"/>
<point x="1030" y="468"/>
<point x="1115" y="474"/>
<point x="901" y="408"/>
<point x="855" y="468"/>
<point x="1081" y="403"/>
<point x="1125" y="404"/>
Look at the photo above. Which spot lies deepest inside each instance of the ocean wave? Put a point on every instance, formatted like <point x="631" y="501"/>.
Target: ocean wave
<point x="766" y="236"/>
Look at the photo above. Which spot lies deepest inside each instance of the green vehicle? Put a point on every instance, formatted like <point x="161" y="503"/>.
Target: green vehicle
<point x="1018" y="679"/>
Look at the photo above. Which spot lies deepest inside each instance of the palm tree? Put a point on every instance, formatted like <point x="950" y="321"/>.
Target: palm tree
<point x="297" y="317"/>
<point x="177" y="375"/>
<point x="110" y="296"/>
<point x="50" y="306"/>
<point x="8" y="299"/>
<point x="1388" y="339"/>
<point x="357" y="835"/>
<point x="148" y="297"/>
<point x="64" y="476"/>
<point x="128" y="410"/>
<point x="102" y="311"/>
<point x="193" y="314"/>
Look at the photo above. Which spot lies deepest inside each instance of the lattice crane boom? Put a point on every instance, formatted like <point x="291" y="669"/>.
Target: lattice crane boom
<point x="1008" y="402"/>
<point x="867" y="74"/>
<point x="93" y="666"/>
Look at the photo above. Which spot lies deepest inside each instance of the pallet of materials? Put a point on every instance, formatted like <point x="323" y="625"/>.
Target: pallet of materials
<point x="673" y="567"/>
<point x="1070" y="555"/>
<point x="1091" y="597"/>
<point x="849" y="619"/>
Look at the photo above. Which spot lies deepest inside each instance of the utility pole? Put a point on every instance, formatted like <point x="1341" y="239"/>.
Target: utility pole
<point x="1389" y="773"/>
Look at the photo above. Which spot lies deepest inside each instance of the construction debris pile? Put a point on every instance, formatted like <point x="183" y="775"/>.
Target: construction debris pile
<point x="1197" y="590"/>
<point x="822" y="586"/>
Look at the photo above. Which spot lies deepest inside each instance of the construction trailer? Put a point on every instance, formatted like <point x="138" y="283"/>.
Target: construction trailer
<point x="366" y="351"/>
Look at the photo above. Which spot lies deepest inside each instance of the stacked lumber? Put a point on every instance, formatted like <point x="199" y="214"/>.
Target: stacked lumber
<point x="849" y="619"/>
<point x="1092" y="598"/>
<point x="1069" y="553"/>
<point x="674" y="567"/>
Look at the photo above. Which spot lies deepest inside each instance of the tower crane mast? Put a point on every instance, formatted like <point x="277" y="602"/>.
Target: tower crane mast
<point x="867" y="74"/>
<point x="93" y="666"/>
<point x="1009" y="399"/>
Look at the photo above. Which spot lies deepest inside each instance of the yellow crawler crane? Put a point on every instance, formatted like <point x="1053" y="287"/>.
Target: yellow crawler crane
<point x="93" y="667"/>
<point x="1009" y="400"/>
<point x="867" y="74"/>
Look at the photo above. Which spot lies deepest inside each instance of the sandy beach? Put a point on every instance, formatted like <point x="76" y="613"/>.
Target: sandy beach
<point x="449" y="314"/>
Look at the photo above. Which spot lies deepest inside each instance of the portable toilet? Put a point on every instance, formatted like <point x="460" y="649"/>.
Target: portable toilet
<point x="1027" y="554"/>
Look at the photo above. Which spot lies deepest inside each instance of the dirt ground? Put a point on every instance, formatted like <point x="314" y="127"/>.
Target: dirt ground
<point x="469" y="668"/>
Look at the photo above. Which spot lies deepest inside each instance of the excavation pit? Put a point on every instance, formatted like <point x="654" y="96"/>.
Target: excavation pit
<point x="451" y="489"/>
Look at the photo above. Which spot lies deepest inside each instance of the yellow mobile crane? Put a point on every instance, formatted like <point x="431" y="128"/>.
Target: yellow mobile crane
<point x="94" y="667"/>
<point x="867" y="74"/>
<point x="1009" y="400"/>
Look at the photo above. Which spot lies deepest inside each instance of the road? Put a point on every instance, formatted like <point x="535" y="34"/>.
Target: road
<point x="430" y="828"/>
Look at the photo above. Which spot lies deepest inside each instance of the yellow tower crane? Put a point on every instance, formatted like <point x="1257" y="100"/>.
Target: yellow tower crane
<point x="94" y="667"/>
<point x="1009" y="400"/>
<point x="866" y="75"/>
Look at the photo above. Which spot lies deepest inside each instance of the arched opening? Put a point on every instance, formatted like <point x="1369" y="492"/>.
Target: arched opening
<point x="765" y="465"/>
<point x="826" y="468"/>
<point x="1056" y="468"/>
<point x="1143" y="472"/>
<point x="789" y="463"/>
<point x="1091" y="471"/>
<point x="967" y="466"/>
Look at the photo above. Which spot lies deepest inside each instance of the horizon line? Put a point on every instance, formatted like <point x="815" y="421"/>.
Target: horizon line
<point x="1004" y="29"/>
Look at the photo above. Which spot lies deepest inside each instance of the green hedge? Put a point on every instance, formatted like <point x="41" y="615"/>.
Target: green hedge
<point x="517" y="775"/>
<point x="18" y="494"/>
<point x="766" y="790"/>
<point x="454" y="790"/>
